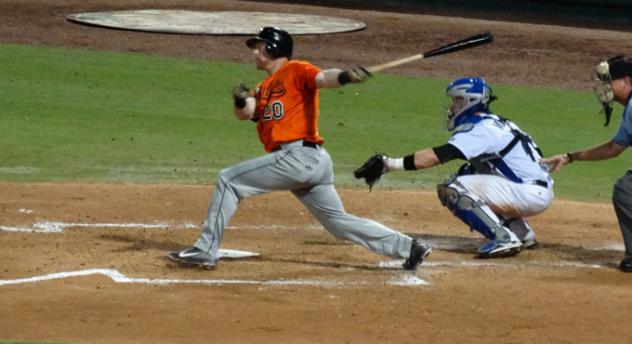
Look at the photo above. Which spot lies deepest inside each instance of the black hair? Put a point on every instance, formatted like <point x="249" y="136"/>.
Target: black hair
<point x="619" y="66"/>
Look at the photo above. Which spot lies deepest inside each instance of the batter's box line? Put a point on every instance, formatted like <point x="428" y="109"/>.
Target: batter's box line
<point x="494" y="264"/>
<point x="405" y="279"/>
<point x="58" y="227"/>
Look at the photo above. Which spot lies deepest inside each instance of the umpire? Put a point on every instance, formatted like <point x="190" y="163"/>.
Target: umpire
<point x="612" y="83"/>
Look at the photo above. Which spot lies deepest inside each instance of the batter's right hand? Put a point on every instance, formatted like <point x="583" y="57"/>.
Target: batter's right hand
<point x="240" y="94"/>
<point x="241" y="91"/>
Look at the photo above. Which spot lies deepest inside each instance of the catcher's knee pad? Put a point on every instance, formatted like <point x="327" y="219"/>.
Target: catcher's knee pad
<point x="470" y="209"/>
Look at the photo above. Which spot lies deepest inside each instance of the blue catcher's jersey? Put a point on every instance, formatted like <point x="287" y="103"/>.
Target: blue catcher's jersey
<point x="489" y="134"/>
<point x="624" y="134"/>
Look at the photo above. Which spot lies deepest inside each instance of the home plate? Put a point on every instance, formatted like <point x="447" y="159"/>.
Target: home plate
<point x="236" y="254"/>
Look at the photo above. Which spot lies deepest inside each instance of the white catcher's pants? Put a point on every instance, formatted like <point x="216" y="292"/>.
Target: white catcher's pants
<point x="506" y="198"/>
<point x="308" y="173"/>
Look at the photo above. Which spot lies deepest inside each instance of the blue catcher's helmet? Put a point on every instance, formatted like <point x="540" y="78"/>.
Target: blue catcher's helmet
<point x="469" y="95"/>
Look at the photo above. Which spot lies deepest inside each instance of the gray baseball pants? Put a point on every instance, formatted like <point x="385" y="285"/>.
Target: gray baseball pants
<point x="622" y="201"/>
<point x="308" y="173"/>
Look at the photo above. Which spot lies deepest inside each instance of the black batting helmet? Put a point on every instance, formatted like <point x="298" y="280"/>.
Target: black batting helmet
<point x="279" y="43"/>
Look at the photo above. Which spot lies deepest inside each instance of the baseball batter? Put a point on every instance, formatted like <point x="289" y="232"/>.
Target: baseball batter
<point x="285" y="108"/>
<point x="613" y="83"/>
<point x="502" y="182"/>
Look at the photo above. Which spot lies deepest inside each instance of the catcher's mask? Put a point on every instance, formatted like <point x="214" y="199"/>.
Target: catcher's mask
<point x="469" y="95"/>
<point x="279" y="42"/>
<point x="606" y="71"/>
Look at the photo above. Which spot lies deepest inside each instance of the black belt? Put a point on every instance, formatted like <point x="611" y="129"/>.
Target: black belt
<point x="309" y="144"/>
<point x="305" y="144"/>
<point x="541" y="183"/>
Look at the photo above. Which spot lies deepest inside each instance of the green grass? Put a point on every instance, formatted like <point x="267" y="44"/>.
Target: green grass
<point x="75" y="115"/>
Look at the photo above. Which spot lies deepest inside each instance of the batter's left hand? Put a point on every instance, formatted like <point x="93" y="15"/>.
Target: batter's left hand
<point x="359" y="74"/>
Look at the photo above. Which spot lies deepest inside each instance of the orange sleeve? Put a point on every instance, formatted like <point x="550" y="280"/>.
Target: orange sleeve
<point x="306" y="76"/>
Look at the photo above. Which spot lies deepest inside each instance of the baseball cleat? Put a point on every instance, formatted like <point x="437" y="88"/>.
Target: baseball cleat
<point x="418" y="252"/>
<point x="626" y="265"/>
<point x="499" y="249"/>
<point x="193" y="256"/>
<point x="528" y="239"/>
<point x="530" y="244"/>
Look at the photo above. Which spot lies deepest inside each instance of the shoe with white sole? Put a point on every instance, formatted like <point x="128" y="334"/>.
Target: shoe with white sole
<point x="626" y="264"/>
<point x="523" y="231"/>
<point x="193" y="256"/>
<point x="499" y="249"/>
<point x="530" y="244"/>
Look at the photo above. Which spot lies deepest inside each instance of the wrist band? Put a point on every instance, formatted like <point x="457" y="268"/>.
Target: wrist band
<point x="569" y="157"/>
<point x="409" y="162"/>
<point x="395" y="164"/>
<point x="240" y="103"/>
<point x="344" y="78"/>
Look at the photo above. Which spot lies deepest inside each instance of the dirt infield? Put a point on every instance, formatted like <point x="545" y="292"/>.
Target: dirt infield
<point x="306" y="286"/>
<point x="85" y="263"/>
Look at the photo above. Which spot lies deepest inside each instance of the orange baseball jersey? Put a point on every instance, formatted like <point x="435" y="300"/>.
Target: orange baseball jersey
<point x="287" y="105"/>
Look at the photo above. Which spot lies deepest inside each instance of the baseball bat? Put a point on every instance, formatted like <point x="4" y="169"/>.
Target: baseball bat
<point x="466" y="43"/>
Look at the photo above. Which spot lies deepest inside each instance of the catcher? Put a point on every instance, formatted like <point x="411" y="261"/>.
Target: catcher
<point x="502" y="181"/>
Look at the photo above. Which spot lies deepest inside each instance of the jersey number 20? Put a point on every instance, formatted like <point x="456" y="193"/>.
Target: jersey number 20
<point x="273" y="111"/>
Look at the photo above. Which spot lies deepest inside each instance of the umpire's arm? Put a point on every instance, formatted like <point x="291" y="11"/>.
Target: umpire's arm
<point x="603" y="151"/>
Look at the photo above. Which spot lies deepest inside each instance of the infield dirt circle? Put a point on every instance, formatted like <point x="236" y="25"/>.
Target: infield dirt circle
<point x="306" y="286"/>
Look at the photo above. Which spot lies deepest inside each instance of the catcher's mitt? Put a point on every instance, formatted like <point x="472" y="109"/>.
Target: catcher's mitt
<point x="371" y="170"/>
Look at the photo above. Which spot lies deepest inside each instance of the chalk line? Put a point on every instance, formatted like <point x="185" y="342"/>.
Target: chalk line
<point x="117" y="277"/>
<point x="489" y="263"/>
<point x="403" y="279"/>
<point x="58" y="227"/>
<point x="409" y="280"/>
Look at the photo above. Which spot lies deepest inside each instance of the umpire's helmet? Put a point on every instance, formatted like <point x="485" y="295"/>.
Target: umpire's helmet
<point x="279" y="43"/>
<point x="614" y="68"/>
<point x="474" y="95"/>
